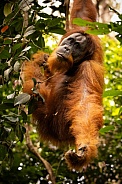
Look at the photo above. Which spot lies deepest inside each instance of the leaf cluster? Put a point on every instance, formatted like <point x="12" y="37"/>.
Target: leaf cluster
<point x="97" y="28"/>
<point x="23" y="28"/>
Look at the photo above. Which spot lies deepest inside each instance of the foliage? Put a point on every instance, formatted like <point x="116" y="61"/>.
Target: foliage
<point x="101" y="28"/>
<point x="18" y="40"/>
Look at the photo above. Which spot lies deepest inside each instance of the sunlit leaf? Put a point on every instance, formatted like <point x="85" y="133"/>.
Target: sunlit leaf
<point x="8" y="9"/>
<point x="11" y="96"/>
<point x="106" y="129"/>
<point x="30" y="30"/>
<point x="95" y="28"/>
<point x="22" y="99"/>
<point x="7" y="73"/>
<point x="11" y="118"/>
<point x="29" y="33"/>
<point x="16" y="66"/>
<point x="26" y="49"/>
<point x="112" y="93"/>
<point x="120" y="111"/>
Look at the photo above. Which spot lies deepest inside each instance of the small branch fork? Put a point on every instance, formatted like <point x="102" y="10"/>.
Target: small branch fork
<point x="35" y="152"/>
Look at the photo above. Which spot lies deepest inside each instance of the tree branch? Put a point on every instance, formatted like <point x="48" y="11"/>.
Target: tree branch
<point x="35" y="152"/>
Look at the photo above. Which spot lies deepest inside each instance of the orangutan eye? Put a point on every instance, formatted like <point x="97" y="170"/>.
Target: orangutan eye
<point x="71" y="40"/>
<point x="76" y="45"/>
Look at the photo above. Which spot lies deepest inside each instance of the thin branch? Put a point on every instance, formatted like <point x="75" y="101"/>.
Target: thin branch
<point x="46" y="79"/>
<point x="114" y="11"/>
<point x="35" y="152"/>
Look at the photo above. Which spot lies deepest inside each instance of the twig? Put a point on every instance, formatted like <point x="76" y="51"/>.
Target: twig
<point x="46" y="79"/>
<point x="114" y="11"/>
<point x="35" y="152"/>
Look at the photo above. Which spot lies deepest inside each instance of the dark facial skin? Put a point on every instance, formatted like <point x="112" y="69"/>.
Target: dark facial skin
<point x="74" y="45"/>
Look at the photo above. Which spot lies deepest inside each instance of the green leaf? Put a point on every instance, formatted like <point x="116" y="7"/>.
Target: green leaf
<point x="119" y="122"/>
<point x="10" y="157"/>
<point x="43" y="99"/>
<point x="4" y="132"/>
<point x="7" y="41"/>
<point x="24" y="115"/>
<point x="23" y="130"/>
<point x="16" y="46"/>
<point x="99" y="31"/>
<point x="112" y="93"/>
<point x="44" y="15"/>
<point x="41" y="42"/>
<point x="30" y="30"/>
<point x="16" y="66"/>
<point x="4" y="54"/>
<point x="8" y="9"/>
<point x="120" y="111"/>
<point x="106" y="129"/>
<point x="7" y="73"/>
<point x="26" y="49"/>
<point x="3" y="66"/>
<point x="11" y="118"/>
<point x="54" y="22"/>
<point x="81" y="22"/>
<point x="22" y="99"/>
<point x="95" y="28"/>
<point x="34" y="81"/>
<point x="19" y="132"/>
<point x="5" y="106"/>
<point x="57" y="30"/>
<point x="32" y="106"/>
<point x="3" y="152"/>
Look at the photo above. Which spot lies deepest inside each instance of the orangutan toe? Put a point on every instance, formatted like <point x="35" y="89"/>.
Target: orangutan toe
<point x="82" y="149"/>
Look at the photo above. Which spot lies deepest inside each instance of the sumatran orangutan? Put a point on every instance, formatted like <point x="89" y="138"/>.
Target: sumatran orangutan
<point x="69" y="110"/>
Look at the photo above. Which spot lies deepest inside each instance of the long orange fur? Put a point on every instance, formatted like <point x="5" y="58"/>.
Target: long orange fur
<point x="72" y="112"/>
